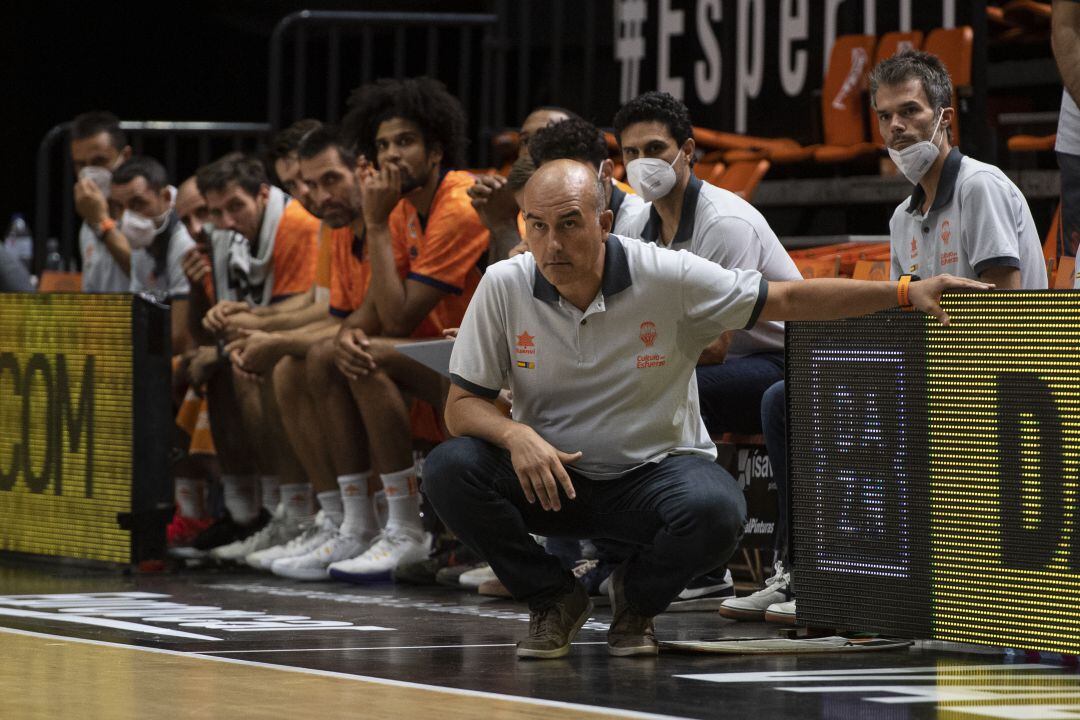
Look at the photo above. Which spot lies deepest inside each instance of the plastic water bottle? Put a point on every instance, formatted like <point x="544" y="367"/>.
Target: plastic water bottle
<point x="19" y="241"/>
<point x="53" y="260"/>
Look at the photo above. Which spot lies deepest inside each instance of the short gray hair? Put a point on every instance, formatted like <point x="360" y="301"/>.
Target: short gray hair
<point x="924" y="66"/>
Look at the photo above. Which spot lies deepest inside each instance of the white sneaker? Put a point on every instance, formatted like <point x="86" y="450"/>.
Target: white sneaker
<point x="753" y="607"/>
<point x="313" y="534"/>
<point x="279" y="530"/>
<point x="783" y="613"/>
<point x="477" y="577"/>
<point x="392" y="547"/>
<point x="312" y="565"/>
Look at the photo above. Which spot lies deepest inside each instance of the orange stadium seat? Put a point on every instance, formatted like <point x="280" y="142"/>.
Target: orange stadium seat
<point x="871" y="270"/>
<point x="843" y="101"/>
<point x="1028" y="14"/>
<point x="1054" y="244"/>
<point x="819" y="267"/>
<point x="57" y="281"/>
<point x="1064" y="276"/>
<point x="742" y="177"/>
<point x="710" y="172"/>
<point x="1032" y="143"/>
<point x="954" y="47"/>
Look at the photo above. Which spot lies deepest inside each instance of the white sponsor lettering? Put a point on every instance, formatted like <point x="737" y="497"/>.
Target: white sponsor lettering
<point x="150" y="608"/>
<point x="707" y="72"/>
<point x="750" y="58"/>
<point x="671" y="26"/>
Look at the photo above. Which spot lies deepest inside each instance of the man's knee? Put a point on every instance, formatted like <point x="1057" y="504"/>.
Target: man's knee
<point x="716" y="512"/>
<point x="449" y="463"/>
<point x="290" y="378"/>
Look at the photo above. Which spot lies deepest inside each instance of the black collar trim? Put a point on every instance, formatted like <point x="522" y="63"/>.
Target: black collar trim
<point x="616" y="276"/>
<point x="685" y="231"/>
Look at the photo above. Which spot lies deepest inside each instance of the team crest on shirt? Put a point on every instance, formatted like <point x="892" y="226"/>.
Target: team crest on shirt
<point x="948" y="258"/>
<point x="647" y="334"/>
<point x="525" y="344"/>
<point x="914" y="247"/>
<point x="413" y="252"/>
<point x="412" y="230"/>
<point x="946" y="233"/>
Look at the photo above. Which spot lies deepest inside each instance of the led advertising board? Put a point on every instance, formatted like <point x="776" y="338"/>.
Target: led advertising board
<point x="936" y="471"/>
<point x="84" y="419"/>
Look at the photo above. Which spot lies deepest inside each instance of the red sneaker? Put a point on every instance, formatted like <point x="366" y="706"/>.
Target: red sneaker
<point x="182" y="530"/>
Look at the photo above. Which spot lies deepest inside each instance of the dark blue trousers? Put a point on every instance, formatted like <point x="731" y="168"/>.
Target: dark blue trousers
<point x="683" y="516"/>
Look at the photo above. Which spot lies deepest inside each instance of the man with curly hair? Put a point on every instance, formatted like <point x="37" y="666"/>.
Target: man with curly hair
<point x="422" y="241"/>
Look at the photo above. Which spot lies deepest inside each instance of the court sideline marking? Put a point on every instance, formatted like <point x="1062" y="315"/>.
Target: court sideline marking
<point x="554" y="704"/>
<point x="391" y="647"/>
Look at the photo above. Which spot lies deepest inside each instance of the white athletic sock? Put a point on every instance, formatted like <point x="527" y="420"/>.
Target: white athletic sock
<point x="241" y="497"/>
<point x="190" y="494"/>
<point x="359" y="509"/>
<point x="403" y="499"/>
<point x="271" y="494"/>
<point x="330" y="502"/>
<point x="297" y="500"/>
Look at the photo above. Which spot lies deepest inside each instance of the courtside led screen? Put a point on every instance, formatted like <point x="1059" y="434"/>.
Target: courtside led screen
<point x="84" y="402"/>
<point x="936" y="471"/>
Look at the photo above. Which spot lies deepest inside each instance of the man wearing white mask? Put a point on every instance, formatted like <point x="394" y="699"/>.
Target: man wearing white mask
<point x="964" y="217"/>
<point x="157" y="238"/>
<point x="99" y="146"/>
<point x="685" y="213"/>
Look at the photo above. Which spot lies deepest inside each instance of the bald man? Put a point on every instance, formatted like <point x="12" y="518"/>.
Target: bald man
<point x="598" y="336"/>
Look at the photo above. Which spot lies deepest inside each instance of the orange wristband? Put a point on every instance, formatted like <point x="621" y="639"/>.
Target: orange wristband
<point x="106" y="225"/>
<point x="902" y="293"/>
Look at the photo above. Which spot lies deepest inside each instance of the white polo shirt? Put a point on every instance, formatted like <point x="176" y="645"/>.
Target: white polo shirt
<point x="625" y="207"/>
<point x="616" y="381"/>
<point x="100" y="272"/>
<point x="158" y="269"/>
<point x="722" y="227"/>
<point x="979" y="220"/>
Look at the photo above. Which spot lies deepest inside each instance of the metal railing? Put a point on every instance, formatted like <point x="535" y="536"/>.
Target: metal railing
<point x="380" y="41"/>
<point x="180" y="146"/>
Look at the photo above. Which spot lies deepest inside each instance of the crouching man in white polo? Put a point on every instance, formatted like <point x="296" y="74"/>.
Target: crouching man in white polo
<point x="598" y="336"/>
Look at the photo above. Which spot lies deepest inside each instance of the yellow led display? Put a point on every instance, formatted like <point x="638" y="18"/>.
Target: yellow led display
<point x="1003" y="394"/>
<point x="65" y="424"/>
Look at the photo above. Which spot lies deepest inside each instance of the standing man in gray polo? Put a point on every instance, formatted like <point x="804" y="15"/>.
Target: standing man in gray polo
<point x="1065" y="36"/>
<point x="597" y="336"/>
<point x="964" y="217"/>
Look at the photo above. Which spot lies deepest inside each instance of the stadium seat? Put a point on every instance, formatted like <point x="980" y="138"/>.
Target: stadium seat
<point x="56" y="281"/>
<point x="708" y="170"/>
<point x="1054" y="244"/>
<point x="1064" y="276"/>
<point x="1032" y="143"/>
<point x="1028" y="14"/>
<point x="871" y="270"/>
<point x="819" y="267"/>
<point x="743" y="177"/>
<point x="843" y="101"/>
<point x="954" y="47"/>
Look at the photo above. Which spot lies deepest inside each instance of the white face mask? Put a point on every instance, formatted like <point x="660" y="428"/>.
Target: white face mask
<point x="914" y="160"/>
<point x="651" y="178"/>
<point x="141" y="230"/>
<point x="102" y="177"/>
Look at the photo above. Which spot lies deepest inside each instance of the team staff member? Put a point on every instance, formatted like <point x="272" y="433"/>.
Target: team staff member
<point x="99" y="146"/>
<point x="415" y="131"/>
<point x="158" y="239"/>
<point x="597" y="337"/>
<point x="964" y="217"/>
<point x="685" y="213"/>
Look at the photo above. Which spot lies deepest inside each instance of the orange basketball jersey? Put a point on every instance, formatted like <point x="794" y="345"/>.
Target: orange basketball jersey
<point x="296" y="250"/>
<point x="445" y="251"/>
